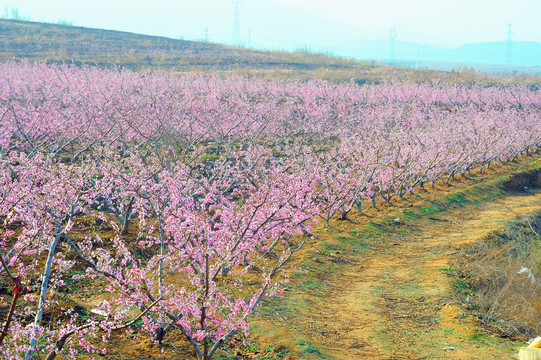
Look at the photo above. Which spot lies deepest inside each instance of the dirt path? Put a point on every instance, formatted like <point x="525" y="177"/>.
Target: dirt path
<point x="381" y="290"/>
<point x="409" y="314"/>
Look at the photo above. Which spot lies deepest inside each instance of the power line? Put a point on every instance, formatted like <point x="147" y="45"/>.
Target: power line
<point x="509" y="45"/>
<point x="236" y="24"/>
<point x="392" y="37"/>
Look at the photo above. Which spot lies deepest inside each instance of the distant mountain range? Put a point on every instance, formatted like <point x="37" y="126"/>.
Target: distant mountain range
<point x="487" y="56"/>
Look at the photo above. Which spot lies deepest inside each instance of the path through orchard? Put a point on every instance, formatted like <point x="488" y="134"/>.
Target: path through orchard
<point x="380" y="290"/>
<point x="376" y="287"/>
<point x="409" y="313"/>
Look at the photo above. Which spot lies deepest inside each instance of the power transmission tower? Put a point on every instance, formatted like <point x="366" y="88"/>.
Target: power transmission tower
<point x="206" y="34"/>
<point x="249" y="37"/>
<point x="392" y="37"/>
<point x="509" y="45"/>
<point x="236" y="24"/>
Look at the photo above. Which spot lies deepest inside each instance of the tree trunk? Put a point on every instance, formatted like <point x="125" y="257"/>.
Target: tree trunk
<point x="43" y="294"/>
<point x="359" y="206"/>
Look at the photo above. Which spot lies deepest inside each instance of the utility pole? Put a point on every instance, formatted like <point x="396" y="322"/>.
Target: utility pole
<point x="509" y="45"/>
<point x="236" y="24"/>
<point x="392" y="37"/>
<point x="206" y="34"/>
<point x="420" y="53"/>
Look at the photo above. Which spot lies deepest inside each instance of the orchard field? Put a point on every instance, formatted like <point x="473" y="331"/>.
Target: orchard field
<point x="184" y="198"/>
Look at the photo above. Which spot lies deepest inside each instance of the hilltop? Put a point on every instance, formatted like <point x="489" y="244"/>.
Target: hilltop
<point x="56" y="42"/>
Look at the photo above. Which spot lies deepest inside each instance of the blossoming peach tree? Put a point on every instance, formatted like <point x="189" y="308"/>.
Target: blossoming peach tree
<point x="183" y="197"/>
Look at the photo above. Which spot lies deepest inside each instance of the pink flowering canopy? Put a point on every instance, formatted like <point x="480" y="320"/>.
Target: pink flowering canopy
<point x="179" y="193"/>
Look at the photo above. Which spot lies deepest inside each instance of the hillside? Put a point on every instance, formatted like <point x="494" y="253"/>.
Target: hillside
<point x="34" y="41"/>
<point x="54" y="42"/>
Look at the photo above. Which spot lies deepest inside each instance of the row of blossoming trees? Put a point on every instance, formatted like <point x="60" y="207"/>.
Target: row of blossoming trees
<point x="186" y="195"/>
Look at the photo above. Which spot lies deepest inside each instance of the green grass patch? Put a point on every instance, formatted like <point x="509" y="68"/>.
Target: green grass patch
<point x="428" y="210"/>
<point x="372" y="228"/>
<point x="309" y="348"/>
<point x="456" y="199"/>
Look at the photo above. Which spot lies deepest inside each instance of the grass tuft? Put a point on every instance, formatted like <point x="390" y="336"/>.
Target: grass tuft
<point x="499" y="278"/>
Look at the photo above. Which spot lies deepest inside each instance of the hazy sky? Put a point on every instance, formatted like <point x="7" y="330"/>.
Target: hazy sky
<point x="318" y="24"/>
<point x="452" y="21"/>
